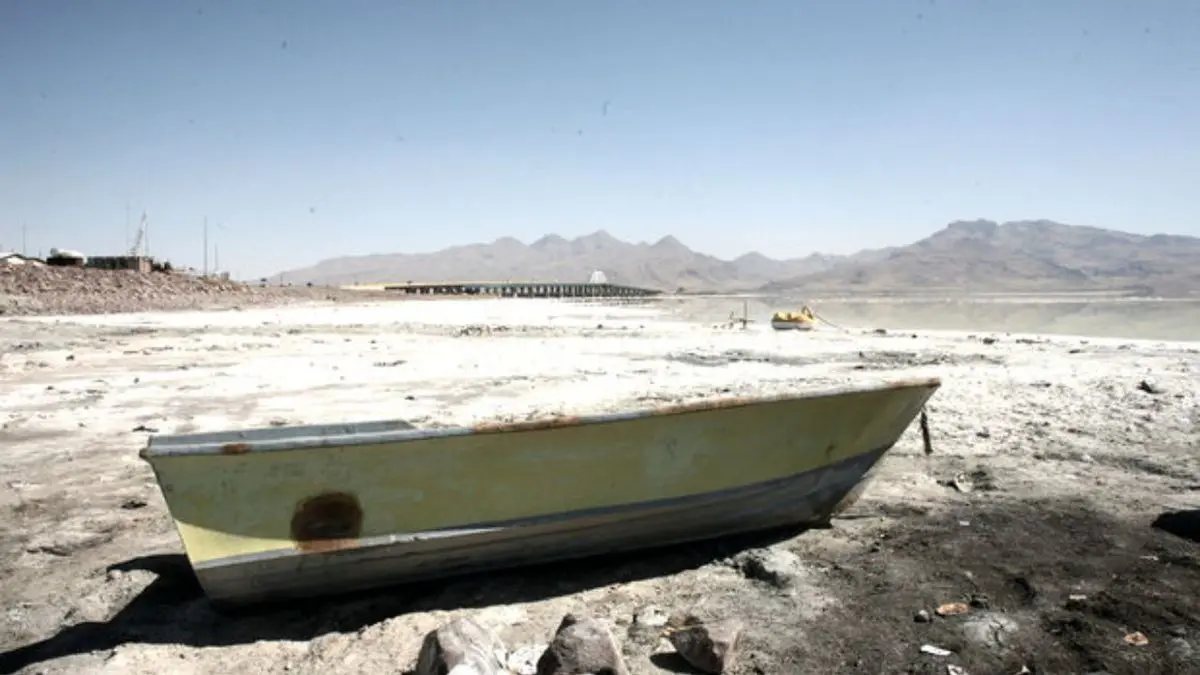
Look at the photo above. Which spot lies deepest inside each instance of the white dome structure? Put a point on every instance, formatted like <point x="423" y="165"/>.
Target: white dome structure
<point x="597" y="277"/>
<point x="67" y="253"/>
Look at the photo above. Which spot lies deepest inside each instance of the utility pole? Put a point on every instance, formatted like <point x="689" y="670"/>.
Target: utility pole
<point x="216" y="260"/>
<point x="206" y="246"/>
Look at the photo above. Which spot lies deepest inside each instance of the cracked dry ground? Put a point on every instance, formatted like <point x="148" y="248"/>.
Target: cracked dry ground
<point x="1041" y="510"/>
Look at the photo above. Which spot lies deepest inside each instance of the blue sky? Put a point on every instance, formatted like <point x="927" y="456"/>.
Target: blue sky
<point x="305" y="130"/>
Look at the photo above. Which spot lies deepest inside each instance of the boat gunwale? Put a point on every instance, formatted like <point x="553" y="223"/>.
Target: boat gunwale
<point x="236" y="443"/>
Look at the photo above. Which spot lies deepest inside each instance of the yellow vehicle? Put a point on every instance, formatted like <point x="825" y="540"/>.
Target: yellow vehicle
<point x="802" y="320"/>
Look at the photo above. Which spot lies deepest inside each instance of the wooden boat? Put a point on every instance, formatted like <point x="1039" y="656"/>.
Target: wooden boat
<point x="802" y="320"/>
<point x="290" y="512"/>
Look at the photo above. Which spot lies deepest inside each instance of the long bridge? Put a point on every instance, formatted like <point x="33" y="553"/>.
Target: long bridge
<point x="520" y="289"/>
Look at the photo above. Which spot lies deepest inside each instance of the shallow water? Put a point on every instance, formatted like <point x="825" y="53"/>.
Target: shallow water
<point x="1101" y="317"/>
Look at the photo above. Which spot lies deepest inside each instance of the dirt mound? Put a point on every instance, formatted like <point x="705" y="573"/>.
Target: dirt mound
<point x="29" y="290"/>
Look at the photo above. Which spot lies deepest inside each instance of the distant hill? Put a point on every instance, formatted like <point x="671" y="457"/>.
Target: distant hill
<point x="667" y="264"/>
<point x="978" y="256"/>
<point x="1022" y="256"/>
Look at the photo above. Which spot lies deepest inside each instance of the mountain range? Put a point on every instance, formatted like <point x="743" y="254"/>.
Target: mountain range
<point x="978" y="256"/>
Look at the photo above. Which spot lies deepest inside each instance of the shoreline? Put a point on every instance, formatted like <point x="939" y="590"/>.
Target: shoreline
<point x="356" y="309"/>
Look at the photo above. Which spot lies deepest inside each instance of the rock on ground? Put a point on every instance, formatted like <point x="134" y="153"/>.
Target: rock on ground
<point x="582" y="645"/>
<point x="461" y="647"/>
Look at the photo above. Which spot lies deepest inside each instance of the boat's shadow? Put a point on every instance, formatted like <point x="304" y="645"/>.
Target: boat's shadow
<point x="172" y="609"/>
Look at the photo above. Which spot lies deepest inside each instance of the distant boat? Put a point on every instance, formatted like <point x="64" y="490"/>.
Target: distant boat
<point x="802" y="320"/>
<point x="293" y="512"/>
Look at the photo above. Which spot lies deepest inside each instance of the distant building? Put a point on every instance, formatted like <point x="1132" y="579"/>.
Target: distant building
<point x="60" y="257"/>
<point x="136" y="263"/>
<point x="13" y="259"/>
<point x="597" y="277"/>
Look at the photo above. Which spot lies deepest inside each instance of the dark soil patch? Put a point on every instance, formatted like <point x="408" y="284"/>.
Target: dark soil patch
<point x="1184" y="524"/>
<point x="737" y="356"/>
<point x="887" y="360"/>
<point x="1053" y="587"/>
<point x="1148" y="465"/>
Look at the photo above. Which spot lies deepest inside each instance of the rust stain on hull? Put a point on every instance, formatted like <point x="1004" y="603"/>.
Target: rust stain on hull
<point x="235" y="448"/>
<point x="532" y="425"/>
<point x="682" y="408"/>
<point x="327" y="522"/>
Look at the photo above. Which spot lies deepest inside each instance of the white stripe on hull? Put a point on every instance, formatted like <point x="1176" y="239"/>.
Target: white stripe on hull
<point x="791" y="325"/>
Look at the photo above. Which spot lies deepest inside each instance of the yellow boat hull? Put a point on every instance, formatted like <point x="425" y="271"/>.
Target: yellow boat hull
<point x="283" y="513"/>
<point x="802" y="320"/>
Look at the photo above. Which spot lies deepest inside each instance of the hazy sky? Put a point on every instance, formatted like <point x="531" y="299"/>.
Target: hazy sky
<point x="313" y="129"/>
